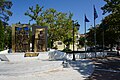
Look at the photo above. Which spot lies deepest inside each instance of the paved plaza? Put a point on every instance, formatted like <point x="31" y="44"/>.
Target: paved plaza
<point x="36" y="68"/>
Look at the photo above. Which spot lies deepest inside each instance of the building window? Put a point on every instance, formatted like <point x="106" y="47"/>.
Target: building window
<point x="59" y="43"/>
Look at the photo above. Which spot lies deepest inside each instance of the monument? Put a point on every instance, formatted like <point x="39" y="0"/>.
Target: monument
<point x="21" y="38"/>
<point x="39" y="38"/>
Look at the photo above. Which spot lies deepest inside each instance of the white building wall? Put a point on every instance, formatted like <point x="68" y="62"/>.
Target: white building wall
<point x="62" y="45"/>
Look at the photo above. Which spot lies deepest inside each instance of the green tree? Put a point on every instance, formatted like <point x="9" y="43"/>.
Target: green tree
<point x="34" y="13"/>
<point x="81" y="41"/>
<point x="111" y="6"/>
<point x="59" y="24"/>
<point x="68" y="31"/>
<point x="8" y="37"/>
<point x="1" y="36"/>
<point x="111" y="31"/>
<point x="112" y="21"/>
<point x="110" y="26"/>
<point x="105" y="30"/>
<point x="90" y="37"/>
<point x="5" y="12"/>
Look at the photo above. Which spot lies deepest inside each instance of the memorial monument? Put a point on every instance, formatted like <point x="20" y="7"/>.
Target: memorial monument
<point x="21" y="38"/>
<point x="39" y="37"/>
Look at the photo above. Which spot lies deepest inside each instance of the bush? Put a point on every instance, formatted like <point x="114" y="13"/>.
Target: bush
<point x="66" y="50"/>
<point x="55" y="48"/>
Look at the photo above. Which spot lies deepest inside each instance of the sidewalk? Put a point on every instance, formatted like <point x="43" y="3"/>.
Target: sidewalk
<point x="106" y="69"/>
<point x="43" y="70"/>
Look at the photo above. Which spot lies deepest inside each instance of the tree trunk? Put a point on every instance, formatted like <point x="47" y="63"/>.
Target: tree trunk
<point x="52" y="43"/>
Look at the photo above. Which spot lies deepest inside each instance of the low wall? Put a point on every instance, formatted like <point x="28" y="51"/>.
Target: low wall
<point x="86" y="55"/>
<point x="43" y="56"/>
<point x="50" y="55"/>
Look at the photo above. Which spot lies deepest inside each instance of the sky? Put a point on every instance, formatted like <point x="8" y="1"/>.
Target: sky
<point x="77" y="7"/>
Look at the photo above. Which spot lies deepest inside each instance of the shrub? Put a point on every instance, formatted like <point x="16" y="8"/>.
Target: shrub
<point x="66" y="50"/>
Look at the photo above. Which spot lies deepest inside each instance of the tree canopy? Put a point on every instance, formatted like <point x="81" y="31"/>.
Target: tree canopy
<point x="5" y="12"/>
<point x="112" y="21"/>
<point x="111" y="6"/>
<point x="59" y="23"/>
<point x="109" y="28"/>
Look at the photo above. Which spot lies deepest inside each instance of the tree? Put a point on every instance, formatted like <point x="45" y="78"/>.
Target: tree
<point x="59" y="24"/>
<point x="90" y="37"/>
<point x="112" y="21"/>
<point x="110" y="24"/>
<point x="81" y="41"/>
<point x="111" y="30"/>
<point x="68" y="31"/>
<point x="5" y="13"/>
<point x="34" y="13"/>
<point x="1" y="36"/>
<point x="8" y="37"/>
<point x="5" y="5"/>
<point x="111" y="6"/>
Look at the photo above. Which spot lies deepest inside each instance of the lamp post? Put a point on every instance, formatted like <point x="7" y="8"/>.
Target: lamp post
<point x="77" y="26"/>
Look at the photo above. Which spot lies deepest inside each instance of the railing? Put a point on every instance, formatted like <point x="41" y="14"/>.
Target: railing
<point x="53" y="55"/>
<point x="88" y="54"/>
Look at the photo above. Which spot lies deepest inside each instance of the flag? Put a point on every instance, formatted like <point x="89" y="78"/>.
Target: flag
<point x="95" y="13"/>
<point x="86" y="20"/>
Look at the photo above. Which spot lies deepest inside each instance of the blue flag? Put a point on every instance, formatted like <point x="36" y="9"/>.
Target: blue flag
<point x="95" y="13"/>
<point x="86" y="20"/>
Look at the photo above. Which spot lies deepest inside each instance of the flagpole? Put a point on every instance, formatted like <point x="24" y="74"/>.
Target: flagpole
<point x="103" y="42"/>
<point x="85" y="37"/>
<point x="95" y="16"/>
<point x="103" y="37"/>
<point x="86" y="20"/>
<point x="95" y="36"/>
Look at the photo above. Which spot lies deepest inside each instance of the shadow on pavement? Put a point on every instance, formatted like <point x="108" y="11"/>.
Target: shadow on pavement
<point x="106" y="69"/>
<point x="83" y="66"/>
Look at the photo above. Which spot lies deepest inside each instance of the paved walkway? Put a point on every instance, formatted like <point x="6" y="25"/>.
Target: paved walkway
<point x="44" y="70"/>
<point x="40" y="68"/>
<point x="106" y="69"/>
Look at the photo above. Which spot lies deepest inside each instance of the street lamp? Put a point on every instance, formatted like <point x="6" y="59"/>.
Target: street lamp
<point x="77" y="26"/>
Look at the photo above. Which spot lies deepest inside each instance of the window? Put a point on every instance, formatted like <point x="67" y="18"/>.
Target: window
<point x="59" y="43"/>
